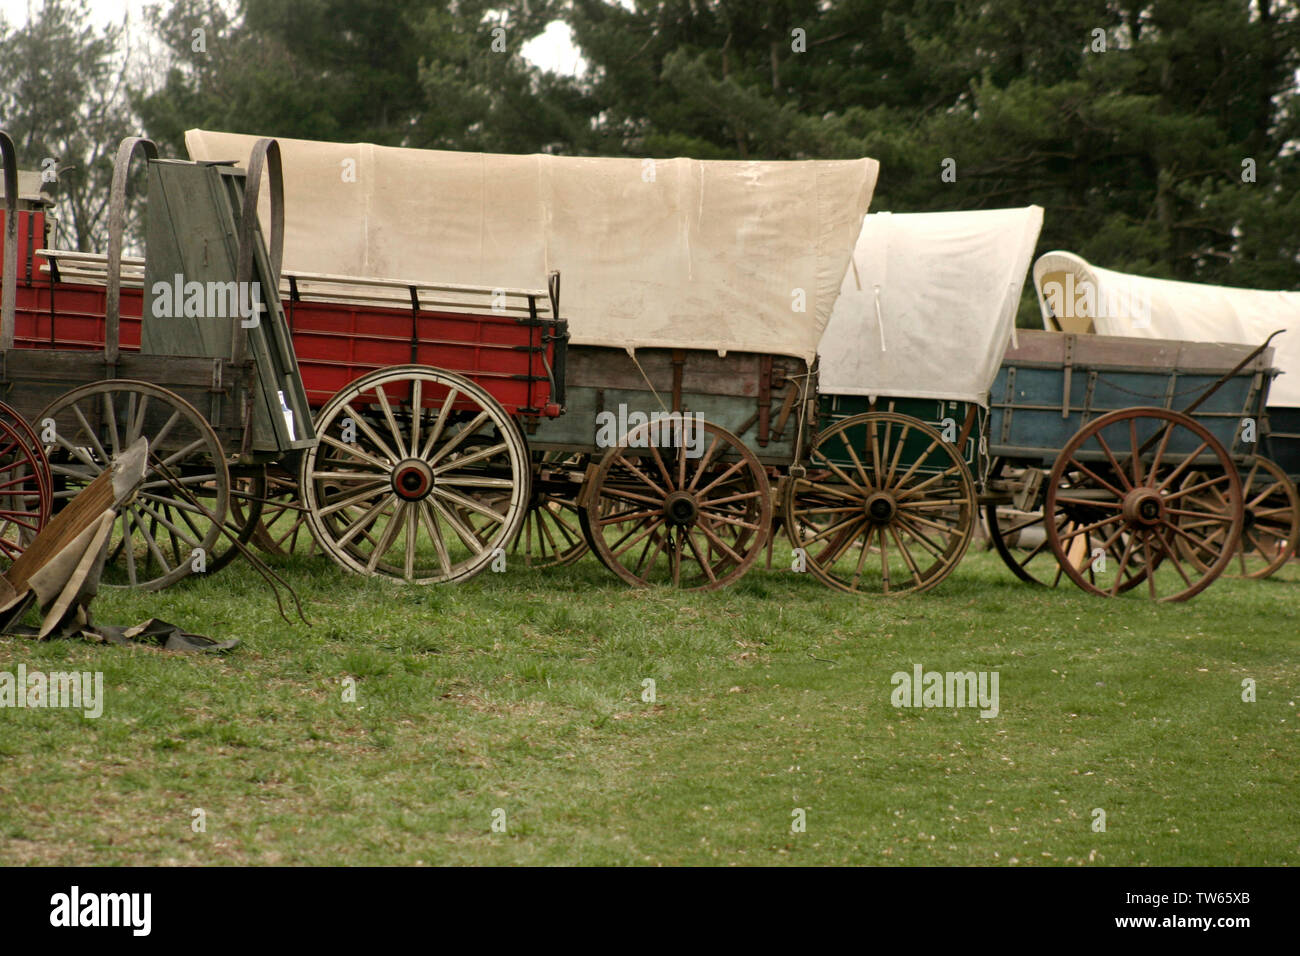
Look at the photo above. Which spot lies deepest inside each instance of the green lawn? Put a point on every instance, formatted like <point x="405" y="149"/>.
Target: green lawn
<point x="522" y="692"/>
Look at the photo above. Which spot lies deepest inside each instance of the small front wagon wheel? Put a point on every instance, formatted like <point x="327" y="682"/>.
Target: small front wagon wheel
<point x="887" y="506"/>
<point x="1271" y="521"/>
<point x="420" y="475"/>
<point x="552" y="534"/>
<point x="282" y="527"/>
<point x="694" y="516"/>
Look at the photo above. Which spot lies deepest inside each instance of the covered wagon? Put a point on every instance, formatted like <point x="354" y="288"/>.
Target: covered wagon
<point x="695" y="294"/>
<point x="888" y="499"/>
<point x="1256" y="417"/>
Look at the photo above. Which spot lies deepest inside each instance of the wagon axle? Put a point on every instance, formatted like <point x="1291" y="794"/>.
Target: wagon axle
<point x="881" y="507"/>
<point x="681" y="509"/>
<point x="1144" y="506"/>
<point x="412" y="479"/>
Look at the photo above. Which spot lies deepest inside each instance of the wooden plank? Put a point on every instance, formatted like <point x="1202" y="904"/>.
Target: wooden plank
<point x="737" y="374"/>
<point x="1118" y="352"/>
<point x="576" y="429"/>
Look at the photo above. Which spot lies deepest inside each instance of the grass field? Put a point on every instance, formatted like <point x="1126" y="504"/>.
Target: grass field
<point x="522" y="692"/>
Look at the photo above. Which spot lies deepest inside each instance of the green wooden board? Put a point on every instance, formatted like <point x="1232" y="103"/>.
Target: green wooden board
<point x="193" y="305"/>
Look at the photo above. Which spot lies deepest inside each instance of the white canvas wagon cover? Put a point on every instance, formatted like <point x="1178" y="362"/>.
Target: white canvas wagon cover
<point x="674" y="253"/>
<point x="928" y="304"/>
<point x="1077" y="296"/>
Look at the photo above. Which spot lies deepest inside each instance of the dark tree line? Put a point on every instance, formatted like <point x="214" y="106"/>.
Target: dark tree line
<point x="1162" y="137"/>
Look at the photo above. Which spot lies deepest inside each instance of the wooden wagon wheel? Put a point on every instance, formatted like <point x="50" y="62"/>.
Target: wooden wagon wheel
<point x="1270" y="523"/>
<point x="1120" y="479"/>
<point x="552" y="534"/>
<point x="887" y="506"/>
<point x="282" y="528"/>
<point x="26" y="487"/>
<point x="658" y="516"/>
<point x="1037" y="563"/>
<point x="156" y="536"/>
<point x="420" y="475"/>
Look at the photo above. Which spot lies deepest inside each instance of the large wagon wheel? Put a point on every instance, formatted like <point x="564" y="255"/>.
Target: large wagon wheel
<point x="552" y="533"/>
<point x="1035" y="562"/>
<point x="887" y="506"/>
<point x="658" y="516"/>
<point x="1270" y="523"/>
<point x="1121" y="479"/>
<point x="26" y="487"/>
<point x="420" y="475"/>
<point x="156" y="536"/>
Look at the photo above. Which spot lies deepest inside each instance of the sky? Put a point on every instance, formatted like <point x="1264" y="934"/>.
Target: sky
<point x="551" y="50"/>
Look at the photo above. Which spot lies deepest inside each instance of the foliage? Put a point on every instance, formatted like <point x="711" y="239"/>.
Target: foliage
<point x="1162" y="137"/>
<point x="63" y="97"/>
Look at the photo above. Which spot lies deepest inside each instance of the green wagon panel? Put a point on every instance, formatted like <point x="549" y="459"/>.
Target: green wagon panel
<point x="192" y="237"/>
<point x="1283" y="442"/>
<point x="946" y="417"/>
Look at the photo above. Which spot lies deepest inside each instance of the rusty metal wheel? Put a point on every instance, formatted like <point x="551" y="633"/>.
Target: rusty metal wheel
<point x="706" y="517"/>
<point x="552" y="533"/>
<point x="26" y="487"/>
<point x="157" y="536"/>
<point x="1270" y="525"/>
<point x="1119" y="482"/>
<point x="886" y="507"/>
<point x="420" y="475"/>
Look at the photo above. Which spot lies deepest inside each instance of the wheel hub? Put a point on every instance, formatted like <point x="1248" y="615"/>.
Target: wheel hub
<point x="881" y="507"/>
<point x="1144" y="506"/>
<point x="412" y="479"/>
<point x="680" y="508"/>
<point x="1247" y="520"/>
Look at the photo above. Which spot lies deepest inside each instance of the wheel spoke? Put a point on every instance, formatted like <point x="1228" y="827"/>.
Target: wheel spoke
<point x="431" y="525"/>
<point x="465" y="534"/>
<point x="474" y="425"/>
<point x="439" y="424"/>
<point x="473" y="458"/>
<point x="470" y="504"/>
<point x="388" y="536"/>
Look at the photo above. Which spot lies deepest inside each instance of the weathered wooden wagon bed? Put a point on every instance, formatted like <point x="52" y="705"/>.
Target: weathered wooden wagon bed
<point x="343" y="330"/>
<point x="1132" y="448"/>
